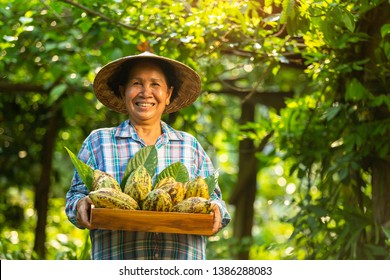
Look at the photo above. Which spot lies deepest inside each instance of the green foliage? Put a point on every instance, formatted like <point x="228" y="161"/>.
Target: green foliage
<point x="315" y="187"/>
<point x="176" y="170"/>
<point x="84" y="170"/>
<point x="147" y="156"/>
<point x="335" y="135"/>
<point x="65" y="242"/>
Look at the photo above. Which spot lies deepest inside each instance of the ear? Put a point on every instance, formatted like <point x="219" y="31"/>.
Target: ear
<point x="169" y="94"/>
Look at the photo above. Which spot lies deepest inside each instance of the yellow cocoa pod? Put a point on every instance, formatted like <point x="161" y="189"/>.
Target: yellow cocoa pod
<point x="176" y="190"/>
<point x="110" y="198"/>
<point x="193" y="205"/>
<point x="102" y="179"/>
<point x="197" y="188"/>
<point x="165" y="181"/>
<point x="139" y="184"/>
<point x="157" y="200"/>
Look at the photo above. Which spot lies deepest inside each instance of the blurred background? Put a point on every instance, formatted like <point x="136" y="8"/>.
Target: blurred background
<point x="294" y="114"/>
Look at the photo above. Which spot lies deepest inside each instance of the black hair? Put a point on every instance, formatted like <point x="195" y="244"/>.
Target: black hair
<point x="121" y="76"/>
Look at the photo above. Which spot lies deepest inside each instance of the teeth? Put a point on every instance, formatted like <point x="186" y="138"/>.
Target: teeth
<point x="145" y="104"/>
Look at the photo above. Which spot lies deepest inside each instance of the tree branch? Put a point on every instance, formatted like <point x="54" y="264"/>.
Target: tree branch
<point x="6" y="87"/>
<point x="106" y="18"/>
<point x="274" y="100"/>
<point x="261" y="79"/>
<point x="271" y="99"/>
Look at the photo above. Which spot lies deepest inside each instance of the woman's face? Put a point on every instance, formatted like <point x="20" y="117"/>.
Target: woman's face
<point x="146" y="93"/>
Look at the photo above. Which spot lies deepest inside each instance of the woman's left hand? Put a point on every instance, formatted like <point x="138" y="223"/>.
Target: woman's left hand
<point x="217" y="224"/>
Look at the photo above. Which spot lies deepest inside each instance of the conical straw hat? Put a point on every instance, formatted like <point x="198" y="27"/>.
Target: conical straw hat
<point x="187" y="83"/>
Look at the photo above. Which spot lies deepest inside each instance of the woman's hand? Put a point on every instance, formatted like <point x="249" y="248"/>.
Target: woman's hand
<point x="83" y="211"/>
<point x="217" y="224"/>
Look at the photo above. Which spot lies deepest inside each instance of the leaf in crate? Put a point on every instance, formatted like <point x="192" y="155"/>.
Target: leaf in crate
<point x="85" y="171"/>
<point x="176" y="170"/>
<point x="146" y="156"/>
<point x="212" y="181"/>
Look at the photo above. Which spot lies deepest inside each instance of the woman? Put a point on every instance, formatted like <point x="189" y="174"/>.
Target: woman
<point x="144" y="87"/>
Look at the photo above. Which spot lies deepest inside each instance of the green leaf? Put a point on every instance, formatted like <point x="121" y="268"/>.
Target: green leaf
<point x="212" y="181"/>
<point x="387" y="232"/>
<point x="56" y="92"/>
<point x="85" y="25"/>
<point x="85" y="171"/>
<point x="268" y="3"/>
<point x="147" y="157"/>
<point x="385" y="30"/>
<point x="348" y="20"/>
<point x="355" y="91"/>
<point x="386" y="49"/>
<point x="288" y="10"/>
<point x="331" y="113"/>
<point x="176" y="170"/>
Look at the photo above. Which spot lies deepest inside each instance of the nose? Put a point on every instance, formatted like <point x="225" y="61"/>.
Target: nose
<point x="146" y="91"/>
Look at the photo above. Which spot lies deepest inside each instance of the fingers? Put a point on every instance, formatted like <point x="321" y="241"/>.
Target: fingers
<point x="83" y="212"/>
<point x="217" y="224"/>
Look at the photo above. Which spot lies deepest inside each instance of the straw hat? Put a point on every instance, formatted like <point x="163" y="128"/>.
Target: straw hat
<point x="187" y="83"/>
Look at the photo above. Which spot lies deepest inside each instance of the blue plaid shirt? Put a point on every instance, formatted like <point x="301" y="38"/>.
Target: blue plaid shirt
<point x="109" y="149"/>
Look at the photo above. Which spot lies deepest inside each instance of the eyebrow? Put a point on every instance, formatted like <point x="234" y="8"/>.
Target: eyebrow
<point x="152" y="79"/>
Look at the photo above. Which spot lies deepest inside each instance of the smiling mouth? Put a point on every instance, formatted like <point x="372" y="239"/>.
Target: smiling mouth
<point x="144" y="105"/>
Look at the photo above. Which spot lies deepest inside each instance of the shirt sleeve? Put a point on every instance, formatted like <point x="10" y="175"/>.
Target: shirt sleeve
<point x="207" y="169"/>
<point x="77" y="188"/>
<point x="217" y="198"/>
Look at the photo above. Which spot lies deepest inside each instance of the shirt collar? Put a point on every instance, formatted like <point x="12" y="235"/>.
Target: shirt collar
<point x="169" y="132"/>
<point x="126" y="130"/>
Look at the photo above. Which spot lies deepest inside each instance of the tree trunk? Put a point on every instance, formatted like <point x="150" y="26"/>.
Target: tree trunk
<point x="42" y="188"/>
<point x="381" y="195"/>
<point x="380" y="168"/>
<point x="245" y="192"/>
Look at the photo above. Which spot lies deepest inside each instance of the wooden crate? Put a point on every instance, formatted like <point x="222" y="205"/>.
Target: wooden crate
<point x="151" y="221"/>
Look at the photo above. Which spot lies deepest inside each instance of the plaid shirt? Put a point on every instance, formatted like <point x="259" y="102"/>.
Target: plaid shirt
<point x="109" y="149"/>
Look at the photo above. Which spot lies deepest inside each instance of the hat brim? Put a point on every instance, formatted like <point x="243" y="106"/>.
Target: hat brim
<point x="188" y="81"/>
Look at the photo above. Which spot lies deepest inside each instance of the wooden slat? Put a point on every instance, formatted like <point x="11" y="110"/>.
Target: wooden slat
<point x="151" y="221"/>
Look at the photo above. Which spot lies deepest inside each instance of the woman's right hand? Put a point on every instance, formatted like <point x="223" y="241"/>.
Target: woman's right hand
<point x="83" y="212"/>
